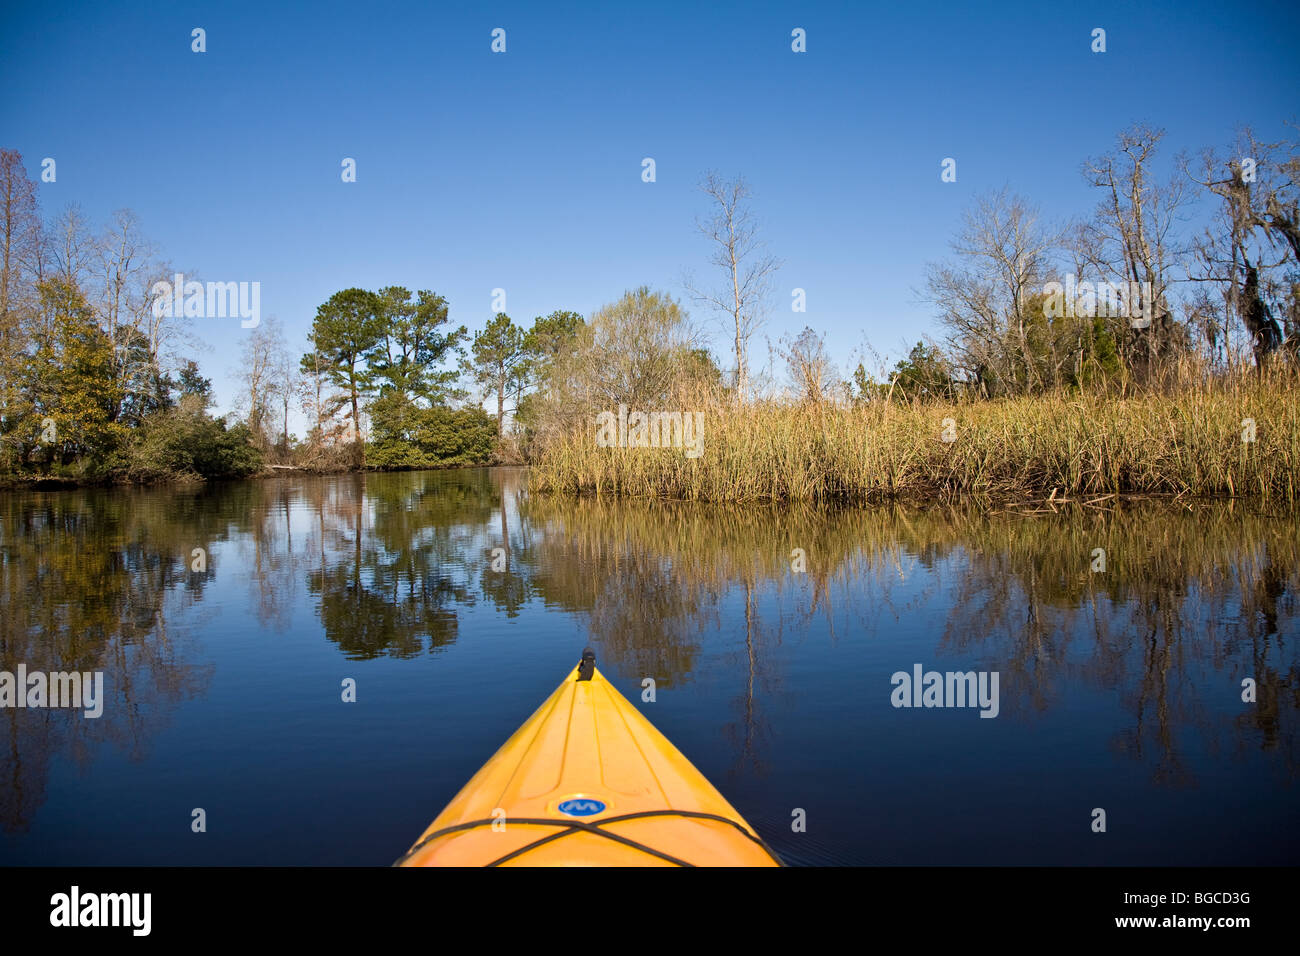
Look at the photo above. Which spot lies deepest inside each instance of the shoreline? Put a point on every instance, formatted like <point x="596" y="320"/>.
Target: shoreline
<point x="995" y="502"/>
<point x="63" y="483"/>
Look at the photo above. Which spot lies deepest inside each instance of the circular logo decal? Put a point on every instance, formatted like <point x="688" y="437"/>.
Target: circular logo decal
<point x="580" y="807"/>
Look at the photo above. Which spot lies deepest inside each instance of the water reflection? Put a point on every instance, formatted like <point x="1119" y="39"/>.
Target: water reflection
<point x="91" y="582"/>
<point x="1194" y="599"/>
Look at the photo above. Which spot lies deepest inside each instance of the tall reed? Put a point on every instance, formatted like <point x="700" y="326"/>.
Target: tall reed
<point x="1185" y="441"/>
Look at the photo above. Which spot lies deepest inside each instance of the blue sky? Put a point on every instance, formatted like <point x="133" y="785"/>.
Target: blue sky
<point x="522" y="170"/>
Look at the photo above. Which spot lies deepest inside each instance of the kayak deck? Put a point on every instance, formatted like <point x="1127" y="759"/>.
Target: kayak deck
<point x="588" y="781"/>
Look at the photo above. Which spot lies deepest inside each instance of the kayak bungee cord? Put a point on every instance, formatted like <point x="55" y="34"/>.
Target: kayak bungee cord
<point x="576" y="826"/>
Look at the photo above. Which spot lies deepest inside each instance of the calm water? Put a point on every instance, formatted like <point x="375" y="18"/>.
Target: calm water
<point x="1118" y="690"/>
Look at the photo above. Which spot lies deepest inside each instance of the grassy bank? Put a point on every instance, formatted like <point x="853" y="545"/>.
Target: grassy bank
<point x="1070" y="444"/>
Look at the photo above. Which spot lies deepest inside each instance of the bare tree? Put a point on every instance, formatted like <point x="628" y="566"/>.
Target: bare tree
<point x="1133" y="233"/>
<point x="126" y="268"/>
<point x="19" y="233"/>
<point x="812" y="374"/>
<point x="73" y="247"/>
<point x="260" y="358"/>
<point x="287" y="379"/>
<point x="1259" y="220"/>
<point x="65" y="250"/>
<point x="749" y="270"/>
<point x="985" y="296"/>
<point x="19" y="230"/>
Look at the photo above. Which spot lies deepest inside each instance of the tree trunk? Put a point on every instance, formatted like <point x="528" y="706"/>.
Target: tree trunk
<point x="501" y="405"/>
<point x="740" y="345"/>
<point x="358" y="444"/>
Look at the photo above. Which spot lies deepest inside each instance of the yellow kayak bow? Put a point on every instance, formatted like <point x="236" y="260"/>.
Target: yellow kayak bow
<point x="588" y="781"/>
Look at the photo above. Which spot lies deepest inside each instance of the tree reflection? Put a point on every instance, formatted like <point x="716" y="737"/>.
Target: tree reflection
<point x="1194" y="598"/>
<point x="84" y="585"/>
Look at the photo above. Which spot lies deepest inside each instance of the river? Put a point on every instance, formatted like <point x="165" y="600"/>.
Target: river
<point x="1121" y="639"/>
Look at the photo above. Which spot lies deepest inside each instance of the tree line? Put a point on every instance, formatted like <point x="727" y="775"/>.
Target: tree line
<point x="95" y="383"/>
<point x="393" y="358"/>
<point x="1201" y="302"/>
<point x="98" y="384"/>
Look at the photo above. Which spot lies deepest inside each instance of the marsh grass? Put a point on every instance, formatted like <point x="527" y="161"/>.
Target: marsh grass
<point x="1184" y="441"/>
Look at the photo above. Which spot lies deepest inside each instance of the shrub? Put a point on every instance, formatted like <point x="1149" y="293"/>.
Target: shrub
<point x="436" y="437"/>
<point x="179" y="444"/>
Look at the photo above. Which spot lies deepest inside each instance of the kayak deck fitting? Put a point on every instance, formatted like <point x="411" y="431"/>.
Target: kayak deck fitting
<point x="588" y="781"/>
